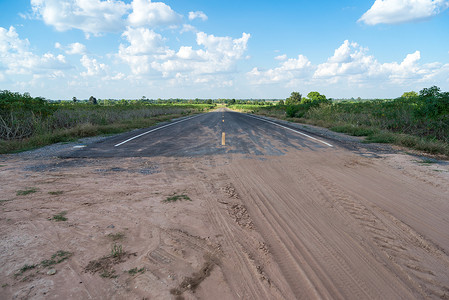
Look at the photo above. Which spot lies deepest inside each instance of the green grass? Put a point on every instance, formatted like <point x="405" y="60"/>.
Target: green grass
<point x="176" y="198"/>
<point x="56" y="258"/>
<point x="25" y="268"/>
<point x="60" y="217"/>
<point x="56" y="193"/>
<point x="117" y="250"/>
<point x="26" y="192"/>
<point x="134" y="271"/>
<point x="355" y="130"/>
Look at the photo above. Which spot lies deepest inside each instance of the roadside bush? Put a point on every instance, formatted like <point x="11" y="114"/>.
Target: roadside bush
<point x="27" y="122"/>
<point x="21" y="115"/>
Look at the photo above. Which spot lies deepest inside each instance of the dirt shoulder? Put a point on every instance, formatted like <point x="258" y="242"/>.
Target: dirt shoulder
<point x="307" y="224"/>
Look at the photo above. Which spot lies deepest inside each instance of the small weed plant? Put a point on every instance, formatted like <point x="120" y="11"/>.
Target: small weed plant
<point x="26" y="191"/>
<point x="60" y="217"/>
<point x="135" y="271"/>
<point x="54" y="193"/>
<point x="176" y="198"/>
<point x="25" y="268"/>
<point x="117" y="250"/>
<point x="56" y="258"/>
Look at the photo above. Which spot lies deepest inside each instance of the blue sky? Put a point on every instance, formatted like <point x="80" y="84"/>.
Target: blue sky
<point x="223" y="49"/>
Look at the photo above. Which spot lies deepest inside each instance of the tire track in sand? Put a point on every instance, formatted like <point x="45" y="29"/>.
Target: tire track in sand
<point x="319" y="257"/>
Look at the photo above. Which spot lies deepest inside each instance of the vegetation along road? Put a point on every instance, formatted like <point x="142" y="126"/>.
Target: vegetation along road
<point x="226" y="205"/>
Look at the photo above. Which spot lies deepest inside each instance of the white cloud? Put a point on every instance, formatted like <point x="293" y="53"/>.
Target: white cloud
<point x="76" y="48"/>
<point x="16" y="58"/>
<point x="402" y="11"/>
<point x="281" y="57"/>
<point x="90" y="16"/>
<point x="350" y="66"/>
<point x="147" y="54"/>
<point x="188" y="28"/>
<point x="226" y="47"/>
<point x="142" y="41"/>
<point x="291" y="69"/>
<point x="197" y="15"/>
<point x="150" y="13"/>
<point x="93" y="67"/>
<point x="144" y="45"/>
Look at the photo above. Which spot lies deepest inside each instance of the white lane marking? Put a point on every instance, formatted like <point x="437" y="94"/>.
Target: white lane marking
<point x="152" y="130"/>
<point x="310" y="137"/>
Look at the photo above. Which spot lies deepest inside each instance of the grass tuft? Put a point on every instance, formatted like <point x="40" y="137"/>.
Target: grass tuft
<point x="60" y="217"/>
<point x="56" y="192"/>
<point x="176" y="198"/>
<point x="26" y="192"/>
<point x="25" y="268"/>
<point x="117" y="250"/>
<point x="56" y="258"/>
<point x="134" y="271"/>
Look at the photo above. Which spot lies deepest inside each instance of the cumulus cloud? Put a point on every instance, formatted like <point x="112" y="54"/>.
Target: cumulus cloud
<point x="98" y="16"/>
<point x="144" y="44"/>
<point x="16" y="58"/>
<point x="90" y="16"/>
<point x="93" y="67"/>
<point x="142" y="41"/>
<point x="402" y="11"/>
<point x="197" y="15"/>
<point x="290" y="70"/>
<point x="150" y="13"/>
<point x="74" y="48"/>
<point x="219" y="54"/>
<point x="147" y="54"/>
<point x="351" y="65"/>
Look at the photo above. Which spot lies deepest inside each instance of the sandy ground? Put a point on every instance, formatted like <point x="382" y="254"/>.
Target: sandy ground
<point x="327" y="224"/>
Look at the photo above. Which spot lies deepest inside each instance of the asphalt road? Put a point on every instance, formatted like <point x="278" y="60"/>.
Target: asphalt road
<point x="219" y="132"/>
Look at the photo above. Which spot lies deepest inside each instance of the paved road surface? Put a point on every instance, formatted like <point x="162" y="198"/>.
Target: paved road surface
<point x="220" y="132"/>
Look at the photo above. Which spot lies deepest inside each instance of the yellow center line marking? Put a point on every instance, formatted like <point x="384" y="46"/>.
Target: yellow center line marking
<point x="223" y="139"/>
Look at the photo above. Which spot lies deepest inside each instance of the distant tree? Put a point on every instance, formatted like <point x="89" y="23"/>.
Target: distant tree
<point x="410" y="95"/>
<point x="209" y="101"/>
<point x="74" y="99"/>
<point x="232" y="101"/>
<point x="433" y="91"/>
<point x="281" y="102"/>
<point x="314" y="97"/>
<point x="93" y="100"/>
<point x="295" y="98"/>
